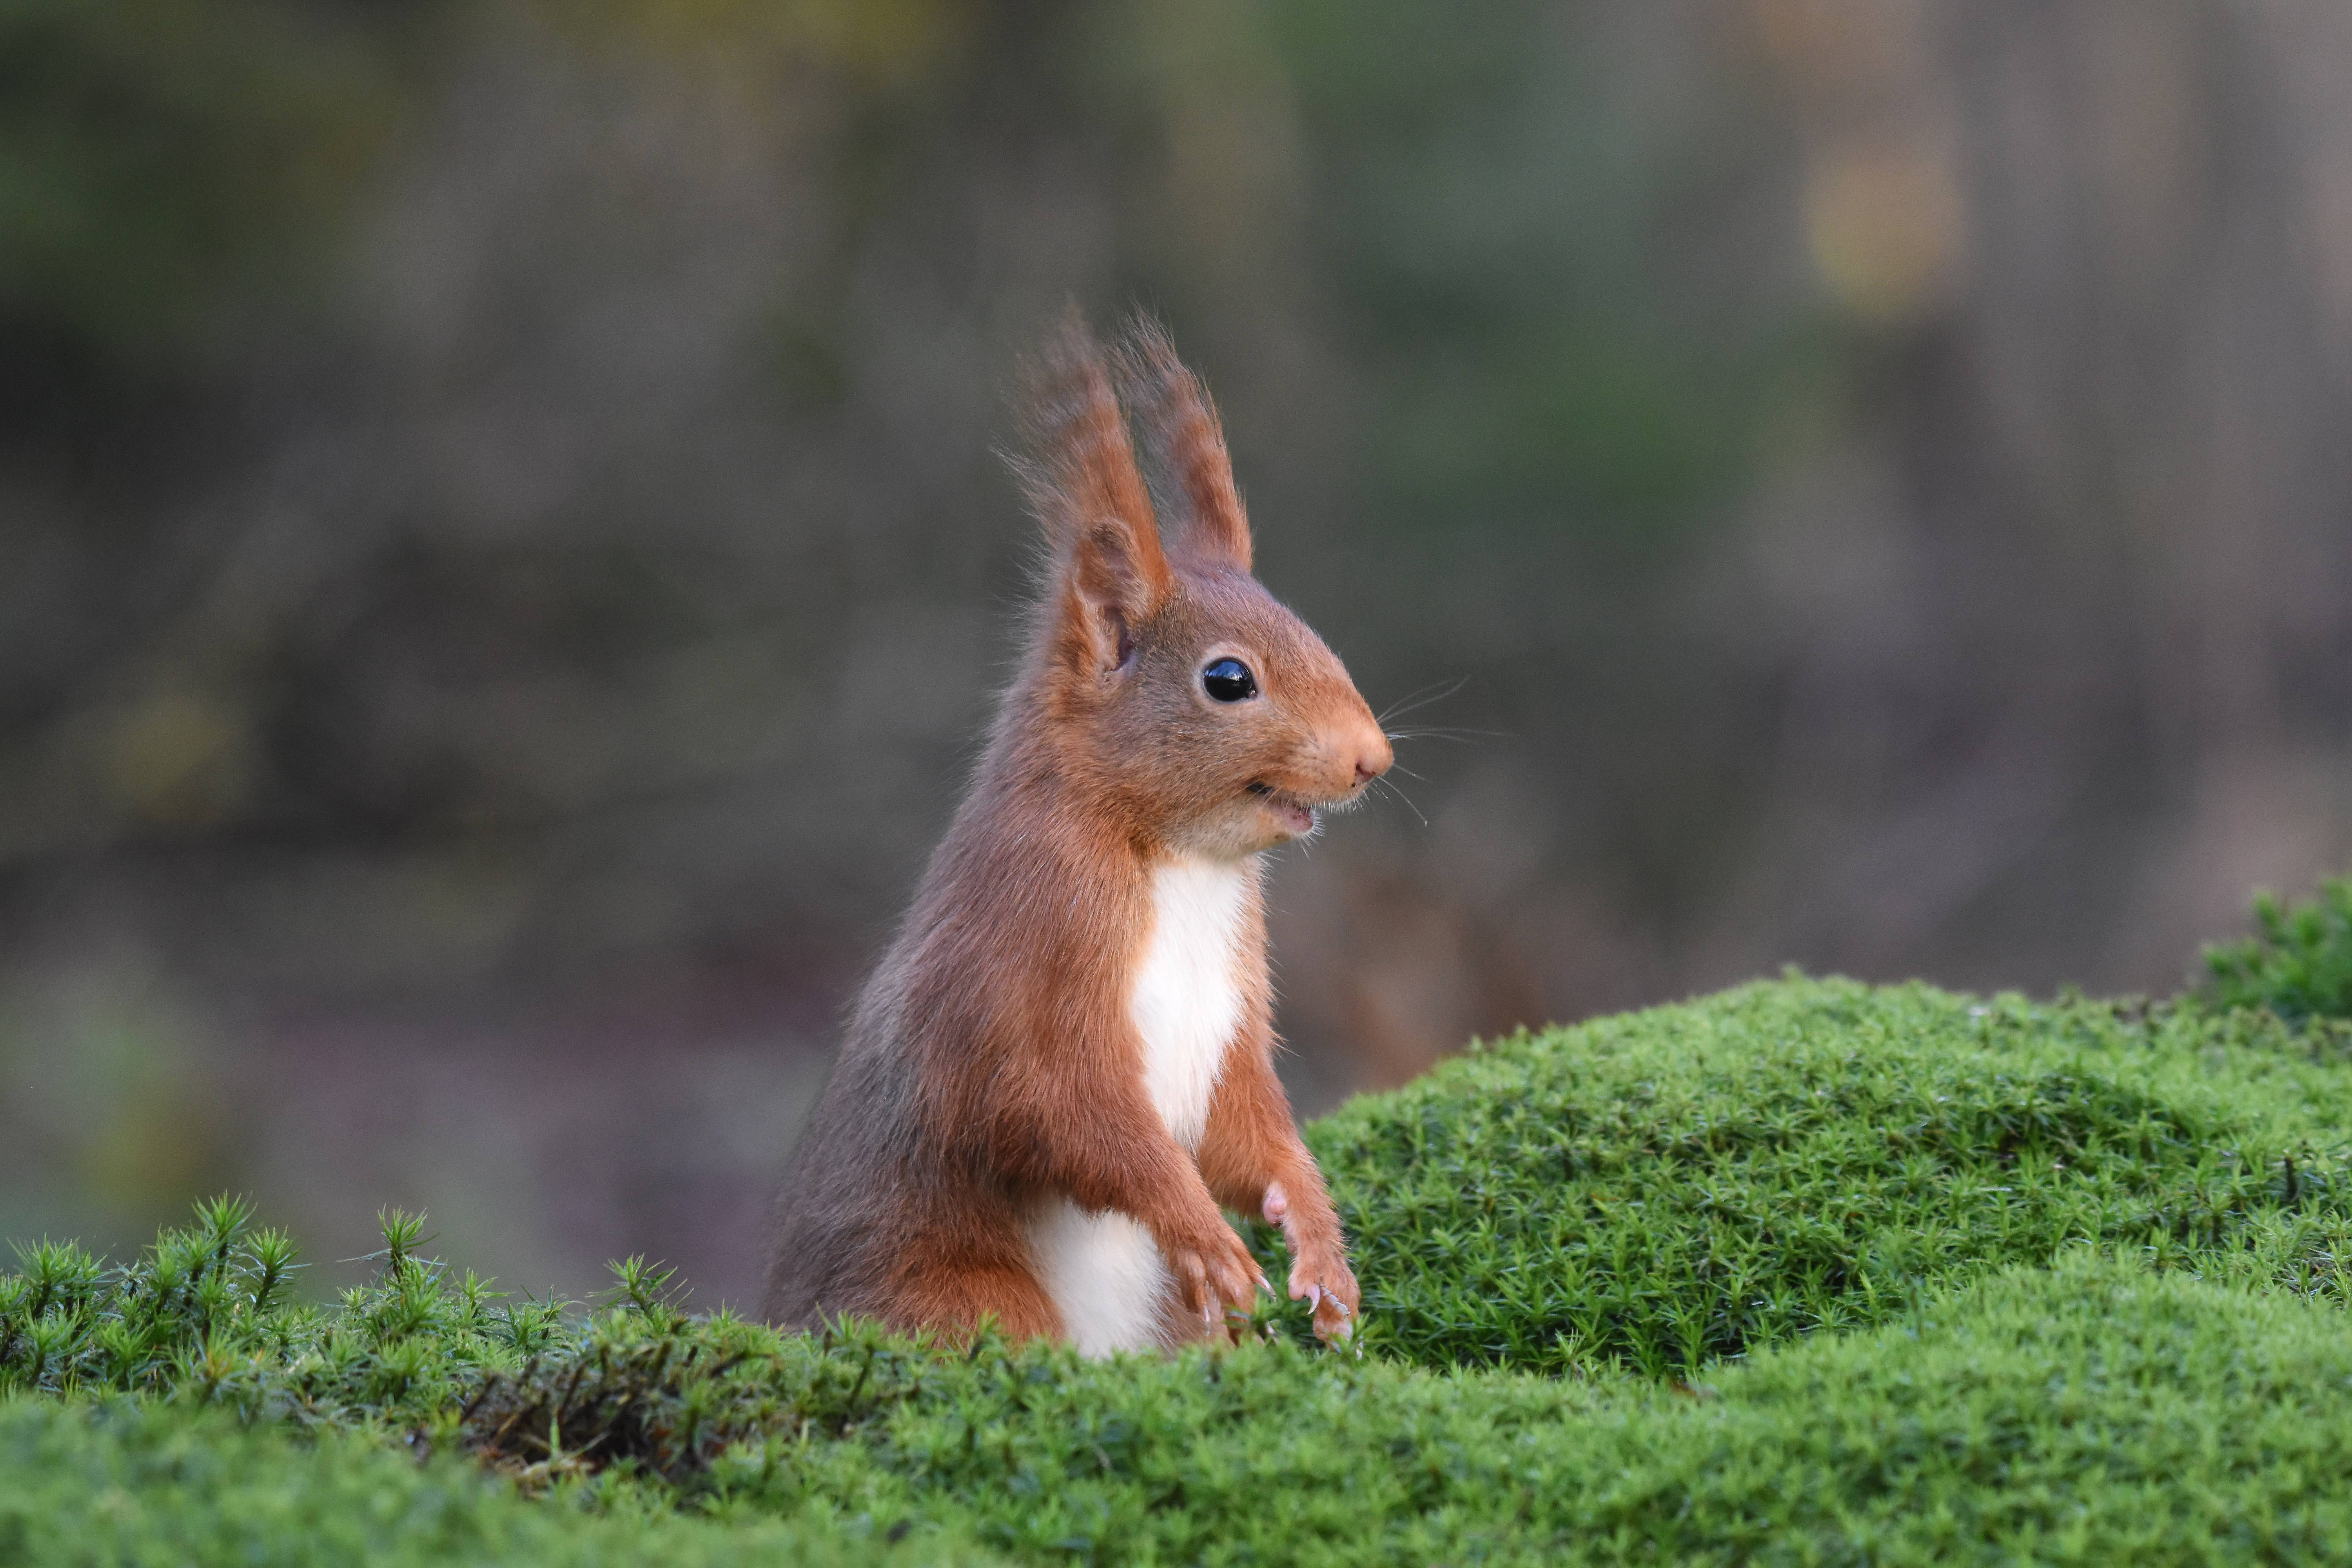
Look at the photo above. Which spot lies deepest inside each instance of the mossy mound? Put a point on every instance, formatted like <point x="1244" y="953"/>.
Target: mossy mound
<point x="1809" y="1271"/>
<point x="2093" y="1411"/>
<point x="1662" y="1189"/>
<point x="123" y="1483"/>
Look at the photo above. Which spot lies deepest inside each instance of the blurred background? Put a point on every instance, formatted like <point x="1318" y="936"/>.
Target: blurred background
<point x="503" y="560"/>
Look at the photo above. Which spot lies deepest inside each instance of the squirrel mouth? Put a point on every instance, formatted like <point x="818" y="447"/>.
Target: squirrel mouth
<point x="1292" y="813"/>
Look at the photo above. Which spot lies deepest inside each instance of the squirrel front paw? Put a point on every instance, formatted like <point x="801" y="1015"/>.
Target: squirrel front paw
<point x="1217" y="1274"/>
<point x="1320" y="1277"/>
<point x="1319" y="1273"/>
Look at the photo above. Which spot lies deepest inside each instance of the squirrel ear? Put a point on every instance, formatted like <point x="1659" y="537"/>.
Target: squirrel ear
<point x="1085" y="489"/>
<point x="1181" y="424"/>
<point x="1106" y="593"/>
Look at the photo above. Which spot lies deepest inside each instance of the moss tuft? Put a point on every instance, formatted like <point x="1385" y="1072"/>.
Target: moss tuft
<point x="2298" y="963"/>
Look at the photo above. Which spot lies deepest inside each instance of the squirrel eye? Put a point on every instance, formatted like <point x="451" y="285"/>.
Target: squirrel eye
<point x="1229" y="680"/>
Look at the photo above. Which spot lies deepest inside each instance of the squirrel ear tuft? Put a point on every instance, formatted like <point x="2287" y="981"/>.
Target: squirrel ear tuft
<point x="1180" y="425"/>
<point x="1083" y="482"/>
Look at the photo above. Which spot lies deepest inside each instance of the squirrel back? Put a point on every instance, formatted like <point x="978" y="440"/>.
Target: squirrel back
<point x="1062" y="1065"/>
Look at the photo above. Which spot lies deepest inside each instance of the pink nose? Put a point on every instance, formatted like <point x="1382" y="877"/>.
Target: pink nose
<point x="1373" y="755"/>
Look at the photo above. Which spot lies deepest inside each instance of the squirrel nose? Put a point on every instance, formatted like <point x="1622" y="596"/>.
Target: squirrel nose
<point x="1373" y="755"/>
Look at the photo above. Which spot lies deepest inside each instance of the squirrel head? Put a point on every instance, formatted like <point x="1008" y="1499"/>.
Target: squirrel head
<point x="1171" y="687"/>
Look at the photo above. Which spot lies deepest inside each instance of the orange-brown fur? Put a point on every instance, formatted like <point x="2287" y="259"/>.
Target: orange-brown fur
<point x="991" y="1063"/>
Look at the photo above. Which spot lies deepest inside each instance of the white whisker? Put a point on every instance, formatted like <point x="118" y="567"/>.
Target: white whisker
<point x="1444" y="734"/>
<point x="1422" y="699"/>
<point x="1404" y="798"/>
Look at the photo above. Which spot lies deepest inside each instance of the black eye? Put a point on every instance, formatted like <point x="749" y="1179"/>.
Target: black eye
<point x="1229" y="680"/>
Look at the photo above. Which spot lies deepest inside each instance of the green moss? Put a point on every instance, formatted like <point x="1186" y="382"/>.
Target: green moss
<point x="205" y="1314"/>
<point x="2091" y="1413"/>
<point x="2096" y="1411"/>
<point x="117" y="1483"/>
<point x="1808" y="1272"/>
<point x="2298" y="963"/>
<point x="1659" y="1190"/>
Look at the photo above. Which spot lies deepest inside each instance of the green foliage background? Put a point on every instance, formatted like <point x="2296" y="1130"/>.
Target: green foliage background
<point x="504" y="553"/>
<point x="159" y="154"/>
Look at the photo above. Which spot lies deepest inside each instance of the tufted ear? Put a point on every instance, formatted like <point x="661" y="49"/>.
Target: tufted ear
<point x="1108" y="572"/>
<point x="1181" y="424"/>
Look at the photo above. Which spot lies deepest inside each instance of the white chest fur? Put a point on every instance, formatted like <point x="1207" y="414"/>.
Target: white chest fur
<point x="1105" y="1274"/>
<point x="1187" y="997"/>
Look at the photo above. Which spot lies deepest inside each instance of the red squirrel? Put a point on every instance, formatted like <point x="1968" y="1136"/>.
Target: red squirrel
<point x="1063" y="1065"/>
